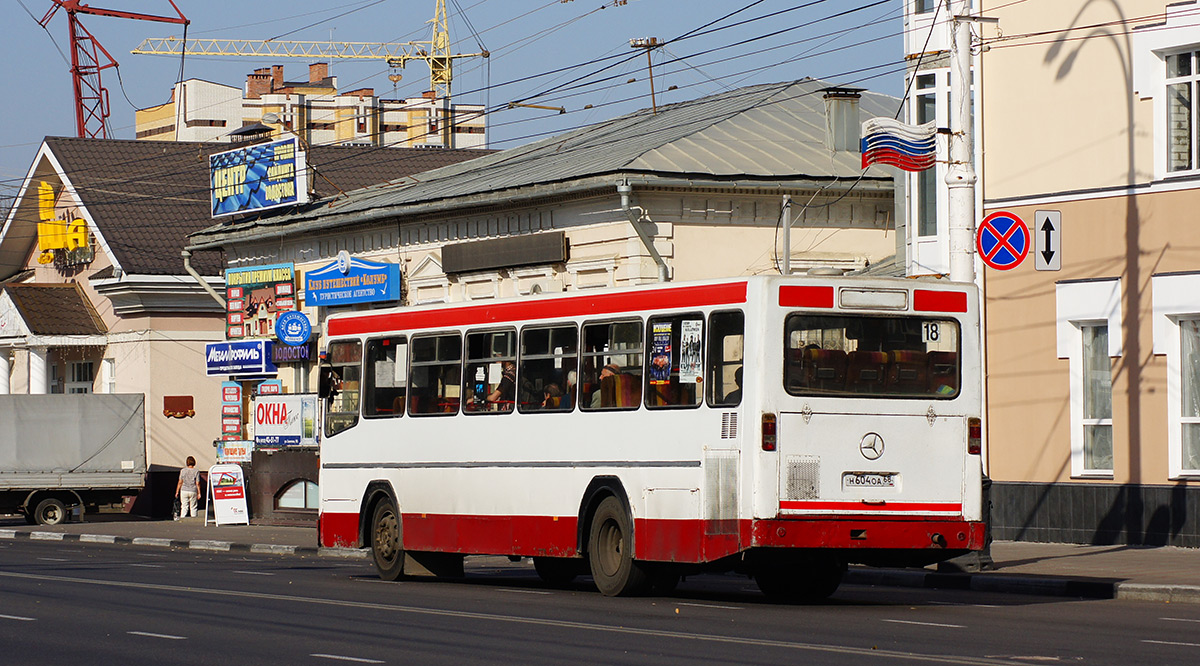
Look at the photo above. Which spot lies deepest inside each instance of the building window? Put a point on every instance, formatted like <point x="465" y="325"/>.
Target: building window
<point x="300" y="494"/>
<point x="1182" y="76"/>
<point x="1177" y="336"/>
<point x="927" y="181"/>
<point x="1188" y="457"/>
<point x="1089" y="336"/>
<point x="1097" y="400"/>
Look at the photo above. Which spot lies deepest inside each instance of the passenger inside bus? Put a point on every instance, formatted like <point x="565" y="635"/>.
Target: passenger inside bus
<point x="606" y="373"/>
<point x="734" y="397"/>
<point x="506" y="390"/>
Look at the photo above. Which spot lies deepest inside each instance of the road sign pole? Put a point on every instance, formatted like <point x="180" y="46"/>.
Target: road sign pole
<point x="960" y="176"/>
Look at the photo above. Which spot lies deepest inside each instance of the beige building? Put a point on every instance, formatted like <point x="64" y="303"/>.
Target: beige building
<point x="1086" y="115"/>
<point x="314" y="109"/>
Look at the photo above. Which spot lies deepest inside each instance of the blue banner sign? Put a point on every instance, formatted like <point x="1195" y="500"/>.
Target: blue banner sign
<point x="350" y="280"/>
<point x="267" y="175"/>
<point x="293" y="328"/>
<point x="249" y="357"/>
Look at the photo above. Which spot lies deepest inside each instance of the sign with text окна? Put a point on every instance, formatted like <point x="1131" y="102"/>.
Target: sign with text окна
<point x="248" y="357"/>
<point x="255" y="297"/>
<point x="285" y="420"/>
<point x="350" y="280"/>
<point x="259" y="177"/>
<point x="227" y="489"/>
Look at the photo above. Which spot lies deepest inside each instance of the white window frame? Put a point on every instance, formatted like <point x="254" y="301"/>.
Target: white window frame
<point x="1150" y="45"/>
<point x="75" y="385"/>
<point x="1079" y="304"/>
<point x="1174" y="298"/>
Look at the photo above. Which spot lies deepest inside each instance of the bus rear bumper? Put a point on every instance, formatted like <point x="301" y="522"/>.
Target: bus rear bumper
<point x="868" y="533"/>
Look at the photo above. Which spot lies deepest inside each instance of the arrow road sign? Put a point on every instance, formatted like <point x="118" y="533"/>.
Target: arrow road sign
<point x="1047" y="240"/>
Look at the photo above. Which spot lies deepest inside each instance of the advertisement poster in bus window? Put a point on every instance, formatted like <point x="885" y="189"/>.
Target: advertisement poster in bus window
<point x="689" y="351"/>
<point x="660" y="354"/>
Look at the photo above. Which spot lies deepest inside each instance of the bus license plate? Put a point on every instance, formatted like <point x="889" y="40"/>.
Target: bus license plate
<point x="869" y="480"/>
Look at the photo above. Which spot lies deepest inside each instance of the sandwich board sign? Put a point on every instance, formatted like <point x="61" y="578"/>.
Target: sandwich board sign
<point x="227" y="491"/>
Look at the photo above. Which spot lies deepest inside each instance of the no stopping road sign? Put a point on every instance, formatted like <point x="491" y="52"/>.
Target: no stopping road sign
<point x="1002" y="240"/>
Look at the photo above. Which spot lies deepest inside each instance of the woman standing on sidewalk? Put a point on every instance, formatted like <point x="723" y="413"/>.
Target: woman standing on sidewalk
<point x="188" y="489"/>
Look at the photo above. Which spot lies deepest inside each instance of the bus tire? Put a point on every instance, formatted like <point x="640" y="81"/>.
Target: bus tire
<point x="610" y="552"/>
<point x="557" y="571"/>
<point x="387" y="541"/>
<point x="803" y="579"/>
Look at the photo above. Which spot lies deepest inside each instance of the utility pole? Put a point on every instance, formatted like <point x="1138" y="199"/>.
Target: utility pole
<point x="961" y="176"/>
<point x="649" y="44"/>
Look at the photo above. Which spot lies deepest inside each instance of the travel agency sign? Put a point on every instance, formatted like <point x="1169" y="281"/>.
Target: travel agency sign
<point x="350" y="280"/>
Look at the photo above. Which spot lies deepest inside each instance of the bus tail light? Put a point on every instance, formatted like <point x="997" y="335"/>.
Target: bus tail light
<point x="974" y="435"/>
<point x="768" y="432"/>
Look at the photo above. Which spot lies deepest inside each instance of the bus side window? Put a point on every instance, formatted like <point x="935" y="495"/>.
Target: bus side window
<point x="726" y="344"/>
<point x="386" y="380"/>
<point x="435" y="375"/>
<point x="343" y="373"/>
<point x="611" y="377"/>
<point x="490" y="380"/>
<point x="674" y="373"/>
<point x="549" y="369"/>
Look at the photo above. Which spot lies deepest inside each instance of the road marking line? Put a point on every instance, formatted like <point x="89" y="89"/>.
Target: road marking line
<point x="957" y="603"/>
<point x="1178" y="619"/>
<point x="929" y="624"/>
<point x="54" y="559"/>
<point x="255" y="573"/>
<point x="153" y="635"/>
<point x="148" y="566"/>
<point x="684" y="603"/>
<point x="1145" y="640"/>
<point x="507" y="589"/>
<point x="339" y="657"/>
<point x="18" y="618"/>
<point x="524" y="620"/>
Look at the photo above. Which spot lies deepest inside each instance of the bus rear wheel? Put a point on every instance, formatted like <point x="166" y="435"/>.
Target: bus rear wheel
<point x="387" y="543"/>
<point x="610" y="552"/>
<point x="800" y="579"/>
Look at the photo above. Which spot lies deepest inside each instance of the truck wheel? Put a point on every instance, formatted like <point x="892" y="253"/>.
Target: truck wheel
<point x="610" y="552"/>
<point x="50" y="511"/>
<point x="387" y="543"/>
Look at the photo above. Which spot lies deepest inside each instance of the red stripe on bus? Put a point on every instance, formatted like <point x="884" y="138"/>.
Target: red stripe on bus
<point x="862" y="507"/>
<point x="545" y="308"/>
<point x="796" y="296"/>
<point x="661" y="540"/>
<point x="927" y="300"/>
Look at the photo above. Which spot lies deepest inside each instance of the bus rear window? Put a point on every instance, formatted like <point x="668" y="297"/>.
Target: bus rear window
<point x="871" y="356"/>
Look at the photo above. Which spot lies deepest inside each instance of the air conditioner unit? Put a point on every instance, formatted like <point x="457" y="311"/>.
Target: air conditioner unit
<point x="545" y="286"/>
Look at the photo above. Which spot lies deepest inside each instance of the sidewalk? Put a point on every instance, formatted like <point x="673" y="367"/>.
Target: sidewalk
<point x="1099" y="572"/>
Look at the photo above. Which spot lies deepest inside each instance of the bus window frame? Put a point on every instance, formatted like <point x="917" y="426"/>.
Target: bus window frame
<point x="640" y="323"/>
<point x="412" y="340"/>
<point x="710" y="364"/>
<point x="672" y="381"/>
<point x="466" y="360"/>
<point x="565" y="407"/>
<point x="328" y="366"/>
<point x="369" y="376"/>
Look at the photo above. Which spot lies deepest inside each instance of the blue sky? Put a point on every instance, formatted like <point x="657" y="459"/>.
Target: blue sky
<point x="527" y="38"/>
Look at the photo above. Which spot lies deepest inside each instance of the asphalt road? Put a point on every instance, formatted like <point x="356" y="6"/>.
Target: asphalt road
<point x="84" y="604"/>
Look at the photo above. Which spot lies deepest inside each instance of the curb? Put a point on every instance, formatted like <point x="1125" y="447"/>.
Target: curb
<point x="985" y="582"/>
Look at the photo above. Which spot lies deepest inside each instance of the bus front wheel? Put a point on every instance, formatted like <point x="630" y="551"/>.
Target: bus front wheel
<point x="610" y="552"/>
<point x="387" y="544"/>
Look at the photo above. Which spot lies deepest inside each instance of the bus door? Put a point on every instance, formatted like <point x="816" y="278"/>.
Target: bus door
<point x="873" y="423"/>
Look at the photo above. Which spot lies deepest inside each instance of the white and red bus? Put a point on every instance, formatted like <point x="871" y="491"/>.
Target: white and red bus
<point x="778" y="426"/>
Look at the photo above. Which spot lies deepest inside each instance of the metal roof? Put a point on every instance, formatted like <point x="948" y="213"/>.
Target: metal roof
<point x="768" y="135"/>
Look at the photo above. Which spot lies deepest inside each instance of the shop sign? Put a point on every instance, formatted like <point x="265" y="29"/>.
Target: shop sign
<point x="293" y="328"/>
<point x="249" y="357"/>
<point x="227" y="490"/>
<point x="300" y="354"/>
<point x="258" y="177"/>
<point x="351" y="280"/>
<point x="255" y="297"/>
<point x="234" y="451"/>
<point x="285" y="420"/>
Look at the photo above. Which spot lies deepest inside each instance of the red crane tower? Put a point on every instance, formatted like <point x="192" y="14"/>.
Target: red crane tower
<point x="91" y="97"/>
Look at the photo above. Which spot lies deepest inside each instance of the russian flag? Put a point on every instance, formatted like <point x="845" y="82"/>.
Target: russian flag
<point x="888" y="141"/>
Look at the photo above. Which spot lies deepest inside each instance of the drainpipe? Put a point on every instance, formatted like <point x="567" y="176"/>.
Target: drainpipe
<point x="187" y="266"/>
<point x="635" y="218"/>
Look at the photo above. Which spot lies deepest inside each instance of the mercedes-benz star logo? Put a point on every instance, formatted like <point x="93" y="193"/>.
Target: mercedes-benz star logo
<point x="871" y="446"/>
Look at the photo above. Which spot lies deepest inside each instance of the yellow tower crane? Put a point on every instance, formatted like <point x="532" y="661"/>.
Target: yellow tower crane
<point x="434" y="52"/>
